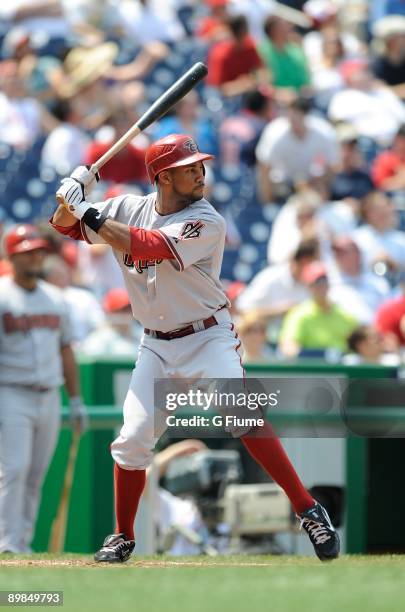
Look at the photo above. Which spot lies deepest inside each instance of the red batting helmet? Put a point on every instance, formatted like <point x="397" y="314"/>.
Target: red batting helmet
<point x="170" y="152"/>
<point x="23" y="238"/>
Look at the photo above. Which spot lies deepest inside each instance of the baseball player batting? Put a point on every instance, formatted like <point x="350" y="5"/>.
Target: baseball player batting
<point x="169" y="245"/>
<point x="35" y="359"/>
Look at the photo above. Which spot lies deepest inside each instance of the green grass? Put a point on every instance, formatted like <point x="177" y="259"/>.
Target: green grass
<point x="199" y="584"/>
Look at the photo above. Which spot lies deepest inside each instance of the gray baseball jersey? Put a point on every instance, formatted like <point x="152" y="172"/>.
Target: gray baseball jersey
<point x="33" y="327"/>
<point x="168" y="294"/>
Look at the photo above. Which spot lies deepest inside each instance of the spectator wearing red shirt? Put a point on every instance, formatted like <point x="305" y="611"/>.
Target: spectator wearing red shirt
<point x="234" y="64"/>
<point x="128" y="166"/>
<point x="388" y="171"/>
<point x="390" y="319"/>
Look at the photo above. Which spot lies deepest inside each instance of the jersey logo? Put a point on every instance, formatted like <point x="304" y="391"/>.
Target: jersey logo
<point x="24" y="323"/>
<point x="191" y="229"/>
<point x="140" y="264"/>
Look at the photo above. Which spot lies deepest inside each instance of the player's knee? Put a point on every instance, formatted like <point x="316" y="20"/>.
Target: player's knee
<point x="135" y="458"/>
<point x="133" y="452"/>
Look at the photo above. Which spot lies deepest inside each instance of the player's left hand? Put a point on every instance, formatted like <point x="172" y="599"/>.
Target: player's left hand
<point x="71" y="192"/>
<point x="78" y="417"/>
<point x="86" y="177"/>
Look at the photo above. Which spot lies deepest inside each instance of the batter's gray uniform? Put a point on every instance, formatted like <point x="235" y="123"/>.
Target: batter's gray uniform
<point x="167" y="295"/>
<point x="33" y="327"/>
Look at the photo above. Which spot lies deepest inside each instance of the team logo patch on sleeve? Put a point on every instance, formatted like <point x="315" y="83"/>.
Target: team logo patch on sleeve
<point x="191" y="229"/>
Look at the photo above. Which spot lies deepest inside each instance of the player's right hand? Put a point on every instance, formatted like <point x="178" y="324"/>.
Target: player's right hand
<point x="78" y="416"/>
<point x="86" y="177"/>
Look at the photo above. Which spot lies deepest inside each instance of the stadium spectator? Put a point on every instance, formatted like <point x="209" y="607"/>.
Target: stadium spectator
<point x="276" y="289"/>
<point x="43" y="17"/>
<point x="295" y="149"/>
<point x="352" y="179"/>
<point x="389" y="65"/>
<point x="350" y="284"/>
<point x="252" y="328"/>
<point x="128" y="166"/>
<point x="284" y="56"/>
<point x="187" y="119"/>
<point x="378" y="239"/>
<point x="367" y="346"/>
<point x="65" y="147"/>
<point x="98" y="269"/>
<point x="390" y="318"/>
<point x="145" y="60"/>
<point x="213" y="27"/>
<point x="42" y="74"/>
<point x="373" y="110"/>
<point x="117" y="335"/>
<point x="86" y="314"/>
<point x="307" y="215"/>
<point x="23" y="120"/>
<point x="86" y="72"/>
<point x="257" y="11"/>
<point x="144" y="21"/>
<point x="326" y="77"/>
<point x="324" y="14"/>
<point x="388" y="170"/>
<point x="316" y="324"/>
<point x="240" y="133"/>
<point x="234" y="65"/>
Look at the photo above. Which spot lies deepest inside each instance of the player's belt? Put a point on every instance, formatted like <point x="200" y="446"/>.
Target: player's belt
<point x="35" y="388"/>
<point x="184" y="331"/>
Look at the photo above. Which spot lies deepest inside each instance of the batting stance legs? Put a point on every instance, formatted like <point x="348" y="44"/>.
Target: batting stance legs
<point x="211" y="353"/>
<point x="29" y="425"/>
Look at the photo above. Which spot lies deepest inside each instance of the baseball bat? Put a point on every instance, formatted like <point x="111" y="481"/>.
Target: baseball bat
<point x="58" y="531"/>
<point x="159" y="108"/>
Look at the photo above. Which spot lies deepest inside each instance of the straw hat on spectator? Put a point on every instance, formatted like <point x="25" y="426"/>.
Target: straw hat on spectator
<point x="292" y="15"/>
<point x="386" y="29"/>
<point x="84" y="66"/>
<point x="346" y="133"/>
<point x="391" y="25"/>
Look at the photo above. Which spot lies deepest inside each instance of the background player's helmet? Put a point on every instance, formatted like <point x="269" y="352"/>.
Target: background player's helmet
<point x="170" y="152"/>
<point x="23" y="238"/>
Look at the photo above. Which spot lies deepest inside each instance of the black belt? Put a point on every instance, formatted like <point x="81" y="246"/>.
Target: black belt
<point x="35" y="388"/>
<point x="180" y="333"/>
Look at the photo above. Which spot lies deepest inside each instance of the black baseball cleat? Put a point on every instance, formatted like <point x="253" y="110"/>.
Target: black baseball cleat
<point x="321" y="532"/>
<point x="116" y="549"/>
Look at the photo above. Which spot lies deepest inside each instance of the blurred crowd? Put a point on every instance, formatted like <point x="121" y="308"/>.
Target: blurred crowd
<point x="305" y="97"/>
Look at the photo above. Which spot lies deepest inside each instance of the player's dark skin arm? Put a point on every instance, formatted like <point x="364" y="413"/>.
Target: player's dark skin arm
<point x="70" y="371"/>
<point x="115" y="234"/>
